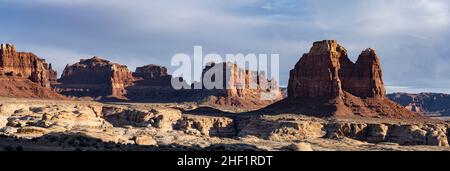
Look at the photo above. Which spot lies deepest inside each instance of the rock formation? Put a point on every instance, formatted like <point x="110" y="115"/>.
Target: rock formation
<point x="151" y="72"/>
<point x="23" y="74"/>
<point x="326" y="71"/>
<point x="325" y="82"/>
<point x="23" y="65"/>
<point x="95" y="77"/>
<point x="429" y="104"/>
<point x="52" y="75"/>
<point x="82" y="125"/>
<point x="152" y="83"/>
<point x="237" y="87"/>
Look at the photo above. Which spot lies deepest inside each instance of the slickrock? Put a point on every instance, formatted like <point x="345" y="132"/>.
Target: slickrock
<point x="78" y="125"/>
<point x="162" y="118"/>
<point x="326" y="83"/>
<point x="23" y="74"/>
<point x="299" y="147"/>
<point x="376" y="133"/>
<point x="95" y="77"/>
<point x="285" y="128"/>
<point x="208" y="126"/>
<point x="145" y="140"/>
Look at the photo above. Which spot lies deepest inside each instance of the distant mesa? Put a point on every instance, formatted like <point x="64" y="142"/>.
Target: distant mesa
<point x="152" y="83"/>
<point x="23" y="74"/>
<point x="325" y="82"/>
<point x="243" y="88"/>
<point x="428" y="104"/>
<point x="95" y="77"/>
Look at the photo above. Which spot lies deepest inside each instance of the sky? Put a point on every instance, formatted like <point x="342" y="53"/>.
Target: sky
<point x="411" y="36"/>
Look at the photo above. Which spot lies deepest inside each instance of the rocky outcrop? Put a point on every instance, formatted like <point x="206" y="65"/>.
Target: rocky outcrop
<point x="23" y="65"/>
<point x="297" y="128"/>
<point x="317" y="72"/>
<point x="325" y="82"/>
<point x="88" y="125"/>
<point x="23" y="74"/>
<point x="401" y="134"/>
<point x="364" y="78"/>
<point x="151" y="72"/>
<point x="267" y="127"/>
<point x="95" y="77"/>
<point x="326" y="71"/>
<point x="237" y="87"/>
<point x="428" y="104"/>
<point x="52" y="75"/>
<point x="207" y="126"/>
<point x="153" y="83"/>
<point x="162" y="118"/>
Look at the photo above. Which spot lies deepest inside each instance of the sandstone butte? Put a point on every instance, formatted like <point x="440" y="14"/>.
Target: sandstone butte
<point x="97" y="77"/>
<point x="244" y="88"/>
<point x="23" y="74"/>
<point x="325" y="82"/>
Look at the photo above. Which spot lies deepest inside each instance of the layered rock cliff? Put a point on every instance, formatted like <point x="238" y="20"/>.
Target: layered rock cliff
<point x="325" y="82"/>
<point x="240" y="87"/>
<point x="429" y="104"/>
<point x="52" y="75"/>
<point x="326" y="71"/>
<point x="153" y="83"/>
<point x="24" y="65"/>
<point x="95" y="77"/>
<point x="23" y="74"/>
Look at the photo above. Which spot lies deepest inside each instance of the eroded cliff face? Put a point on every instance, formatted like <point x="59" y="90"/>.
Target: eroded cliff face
<point x="325" y="82"/>
<point x="52" y="74"/>
<point x="23" y="74"/>
<point x="326" y="71"/>
<point x="363" y="78"/>
<point x="317" y="72"/>
<point x="153" y="83"/>
<point x="95" y="77"/>
<point x="429" y="104"/>
<point x="23" y="65"/>
<point x="239" y="87"/>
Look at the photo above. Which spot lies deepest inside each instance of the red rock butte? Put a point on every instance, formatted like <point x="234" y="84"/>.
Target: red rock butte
<point x="325" y="82"/>
<point x="23" y="74"/>
<point x="242" y="88"/>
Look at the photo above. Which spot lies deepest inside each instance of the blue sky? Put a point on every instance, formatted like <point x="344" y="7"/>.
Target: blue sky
<point x="411" y="36"/>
